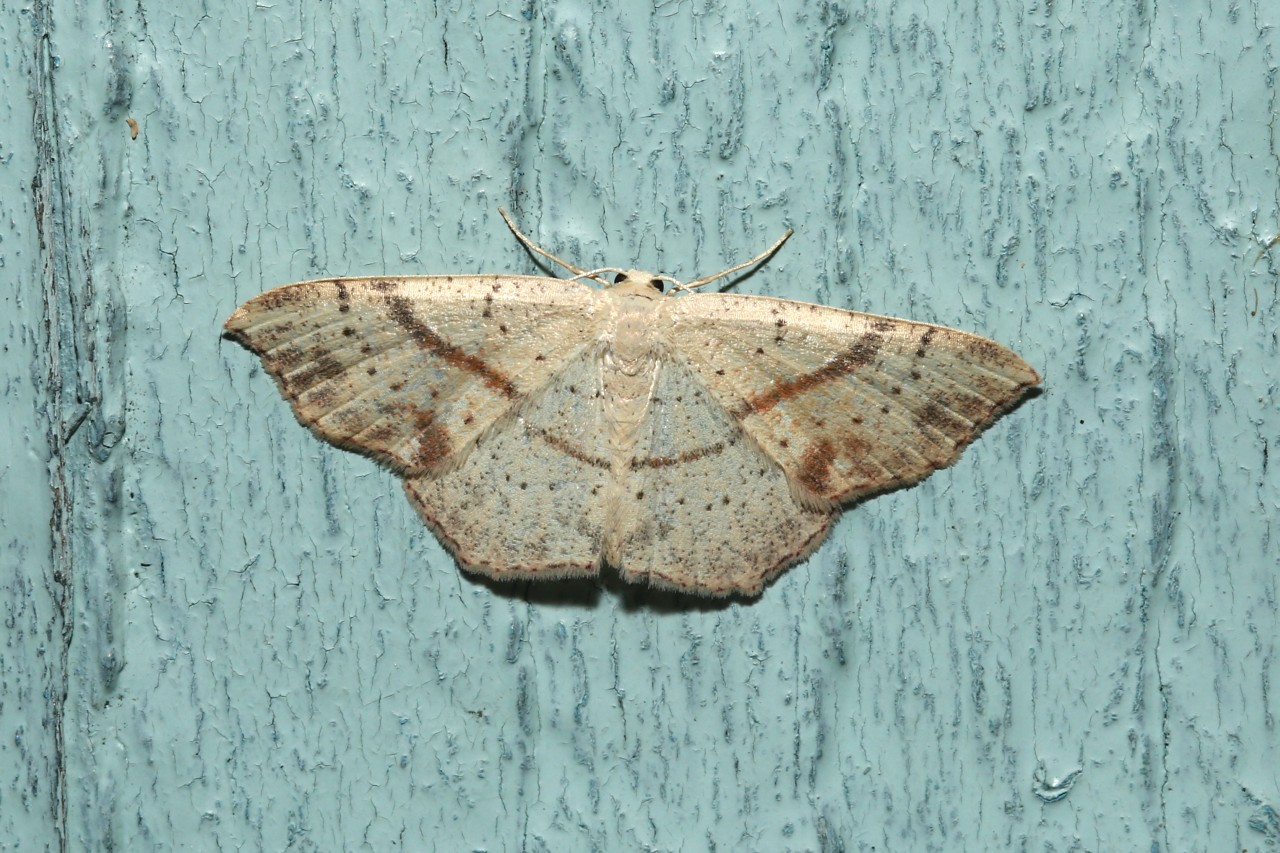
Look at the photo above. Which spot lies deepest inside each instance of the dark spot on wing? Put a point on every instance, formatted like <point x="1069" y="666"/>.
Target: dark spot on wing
<point x="925" y="340"/>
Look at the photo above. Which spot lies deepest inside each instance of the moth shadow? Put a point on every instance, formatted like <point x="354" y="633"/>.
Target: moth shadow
<point x="586" y="593"/>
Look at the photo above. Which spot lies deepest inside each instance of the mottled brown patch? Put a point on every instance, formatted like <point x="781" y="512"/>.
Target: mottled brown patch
<point x="400" y="310"/>
<point x="975" y="407"/>
<point x="856" y="447"/>
<point x="380" y="434"/>
<point x="281" y="297"/>
<point x="286" y="358"/>
<point x="944" y="420"/>
<point x="383" y="286"/>
<point x="862" y="353"/>
<point x="322" y="369"/>
<point x="320" y="399"/>
<point x="986" y="350"/>
<point x="815" y="467"/>
<point x="434" y="443"/>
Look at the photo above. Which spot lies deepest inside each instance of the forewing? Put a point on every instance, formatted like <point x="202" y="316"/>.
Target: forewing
<point x="702" y="508"/>
<point x="412" y="370"/>
<point x="847" y="403"/>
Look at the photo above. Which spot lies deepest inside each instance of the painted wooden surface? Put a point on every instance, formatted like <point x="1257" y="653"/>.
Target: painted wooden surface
<point x="222" y="634"/>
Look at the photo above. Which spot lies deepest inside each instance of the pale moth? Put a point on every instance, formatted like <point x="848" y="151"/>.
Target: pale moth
<point x="702" y="442"/>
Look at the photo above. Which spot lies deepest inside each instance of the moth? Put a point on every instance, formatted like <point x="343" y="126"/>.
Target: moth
<point x="701" y="442"/>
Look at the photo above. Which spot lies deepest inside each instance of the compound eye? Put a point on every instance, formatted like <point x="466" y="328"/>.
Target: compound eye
<point x="620" y="278"/>
<point x="656" y="284"/>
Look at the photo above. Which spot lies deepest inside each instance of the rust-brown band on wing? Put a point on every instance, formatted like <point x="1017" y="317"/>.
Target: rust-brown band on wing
<point x="400" y="310"/>
<point x="412" y="370"/>
<point x="862" y="353"/>
<point x="701" y="508"/>
<point x="847" y="403"/>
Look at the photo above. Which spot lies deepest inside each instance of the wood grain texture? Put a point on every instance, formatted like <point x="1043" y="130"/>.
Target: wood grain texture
<point x="1065" y="641"/>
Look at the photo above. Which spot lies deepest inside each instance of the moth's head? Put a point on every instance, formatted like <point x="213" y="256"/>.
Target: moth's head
<point x="641" y="283"/>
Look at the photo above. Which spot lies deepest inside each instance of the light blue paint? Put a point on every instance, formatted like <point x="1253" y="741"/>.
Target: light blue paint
<point x="1067" y="641"/>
